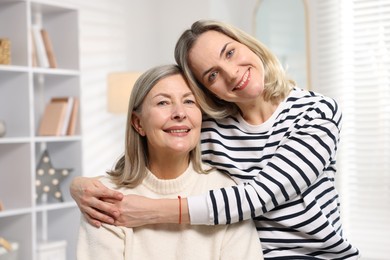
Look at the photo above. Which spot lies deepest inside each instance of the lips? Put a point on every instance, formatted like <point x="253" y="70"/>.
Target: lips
<point x="178" y="131"/>
<point x="244" y="81"/>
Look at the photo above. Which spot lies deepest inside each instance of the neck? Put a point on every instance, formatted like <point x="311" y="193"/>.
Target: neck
<point x="257" y="111"/>
<point x="168" y="167"/>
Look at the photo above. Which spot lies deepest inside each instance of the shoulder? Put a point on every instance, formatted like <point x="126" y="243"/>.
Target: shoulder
<point x="107" y="181"/>
<point x="316" y="104"/>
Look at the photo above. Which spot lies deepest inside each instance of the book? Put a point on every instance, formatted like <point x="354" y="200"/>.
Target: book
<point x="53" y="119"/>
<point x="34" y="62"/>
<point x="39" y="47"/>
<point x="69" y="107"/>
<point x="73" y="119"/>
<point x="70" y="120"/>
<point x="49" y="49"/>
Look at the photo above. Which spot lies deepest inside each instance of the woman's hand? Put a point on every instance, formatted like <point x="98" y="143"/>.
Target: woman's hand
<point x="96" y="202"/>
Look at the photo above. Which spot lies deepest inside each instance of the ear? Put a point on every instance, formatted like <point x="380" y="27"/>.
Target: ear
<point x="136" y="123"/>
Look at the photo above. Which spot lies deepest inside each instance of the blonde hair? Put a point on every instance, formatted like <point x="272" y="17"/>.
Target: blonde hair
<point x="277" y="85"/>
<point x="131" y="168"/>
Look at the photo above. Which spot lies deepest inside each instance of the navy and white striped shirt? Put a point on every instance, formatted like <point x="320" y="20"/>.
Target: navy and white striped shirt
<point x="285" y="168"/>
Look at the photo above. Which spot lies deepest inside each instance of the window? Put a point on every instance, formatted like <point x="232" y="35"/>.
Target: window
<point x="353" y="66"/>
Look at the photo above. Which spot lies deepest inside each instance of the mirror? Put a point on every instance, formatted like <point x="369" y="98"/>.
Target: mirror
<point x="282" y="26"/>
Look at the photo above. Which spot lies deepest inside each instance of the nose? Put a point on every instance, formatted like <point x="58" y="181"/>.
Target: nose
<point x="231" y="71"/>
<point x="179" y="113"/>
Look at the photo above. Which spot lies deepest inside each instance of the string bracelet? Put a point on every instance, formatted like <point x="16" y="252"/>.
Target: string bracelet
<point x="179" y="197"/>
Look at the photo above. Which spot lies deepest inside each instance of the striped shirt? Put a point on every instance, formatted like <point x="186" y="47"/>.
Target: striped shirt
<point x="285" y="169"/>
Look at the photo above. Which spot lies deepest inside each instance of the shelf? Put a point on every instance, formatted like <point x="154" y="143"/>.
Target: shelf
<point x="13" y="68"/>
<point x="25" y="90"/>
<point x="14" y="212"/>
<point x="56" y="206"/>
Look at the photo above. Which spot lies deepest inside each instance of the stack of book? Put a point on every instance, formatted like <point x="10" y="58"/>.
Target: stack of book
<point x="59" y="117"/>
<point x="42" y="48"/>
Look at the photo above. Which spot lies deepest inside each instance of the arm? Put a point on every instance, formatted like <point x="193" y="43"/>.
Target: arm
<point x="137" y="211"/>
<point x="100" y="205"/>
<point x="90" y="196"/>
<point x="307" y="149"/>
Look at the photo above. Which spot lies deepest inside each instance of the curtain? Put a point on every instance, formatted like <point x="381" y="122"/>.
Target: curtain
<point x="353" y="66"/>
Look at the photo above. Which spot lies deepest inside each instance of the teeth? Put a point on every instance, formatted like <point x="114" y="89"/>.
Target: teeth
<point x="243" y="80"/>
<point x="178" y="131"/>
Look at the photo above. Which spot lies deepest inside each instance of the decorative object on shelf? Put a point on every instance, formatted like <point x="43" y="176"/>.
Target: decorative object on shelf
<point x="8" y="250"/>
<point x="4" y="243"/>
<point x="1" y="206"/>
<point x="48" y="178"/>
<point x="5" y="51"/>
<point x="2" y="128"/>
<point x="120" y="85"/>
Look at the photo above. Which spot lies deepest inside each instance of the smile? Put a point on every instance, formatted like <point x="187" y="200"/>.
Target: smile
<point x="178" y="131"/>
<point x="244" y="81"/>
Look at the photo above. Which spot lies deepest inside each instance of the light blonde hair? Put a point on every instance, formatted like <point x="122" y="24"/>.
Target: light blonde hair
<point x="277" y="84"/>
<point x="131" y="168"/>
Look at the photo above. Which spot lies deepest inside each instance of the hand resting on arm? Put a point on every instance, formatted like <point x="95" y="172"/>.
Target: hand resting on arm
<point x="102" y="205"/>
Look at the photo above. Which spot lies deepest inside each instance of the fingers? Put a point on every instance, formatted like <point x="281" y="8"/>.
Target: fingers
<point x="99" y="209"/>
<point x="110" y="194"/>
<point x="96" y="218"/>
<point x="92" y="221"/>
<point x="88" y="194"/>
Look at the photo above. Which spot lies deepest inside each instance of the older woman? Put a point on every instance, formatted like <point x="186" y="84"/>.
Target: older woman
<point x="162" y="160"/>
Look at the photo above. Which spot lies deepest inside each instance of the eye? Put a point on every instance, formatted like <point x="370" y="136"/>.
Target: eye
<point x="162" y="103"/>
<point x="212" y="76"/>
<point x="189" y="101"/>
<point x="230" y="53"/>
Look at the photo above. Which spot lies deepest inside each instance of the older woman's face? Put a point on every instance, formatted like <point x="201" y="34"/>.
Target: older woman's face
<point x="170" y="118"/>
<point x="226" y="67"/>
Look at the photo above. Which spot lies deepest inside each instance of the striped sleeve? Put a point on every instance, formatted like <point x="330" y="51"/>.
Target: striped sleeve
<point x="308" y="148"/>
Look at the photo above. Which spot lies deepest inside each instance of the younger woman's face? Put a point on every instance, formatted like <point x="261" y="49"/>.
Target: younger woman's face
<point x="170" y="118"/>
<point x="227" y="68"/>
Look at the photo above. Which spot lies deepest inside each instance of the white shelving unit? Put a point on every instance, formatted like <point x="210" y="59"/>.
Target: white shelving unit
<point x="24" y="92"/>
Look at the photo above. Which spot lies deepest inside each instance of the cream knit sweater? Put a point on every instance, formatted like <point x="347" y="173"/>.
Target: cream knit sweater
<point x="171" y="241"/>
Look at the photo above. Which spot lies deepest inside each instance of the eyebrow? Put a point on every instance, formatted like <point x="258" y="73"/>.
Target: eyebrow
<point x="189" y="93"/>
<point x="220" y="55"/>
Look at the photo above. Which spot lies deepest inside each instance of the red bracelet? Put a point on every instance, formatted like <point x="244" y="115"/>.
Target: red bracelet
<point x="179" y="208"/>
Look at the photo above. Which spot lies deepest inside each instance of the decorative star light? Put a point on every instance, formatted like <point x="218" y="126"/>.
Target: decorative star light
<point x="48" y="178"/>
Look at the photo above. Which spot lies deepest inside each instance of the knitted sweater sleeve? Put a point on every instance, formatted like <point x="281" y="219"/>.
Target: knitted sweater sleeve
<point x="295" y="165"/>
<point x="106" y="242"/>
